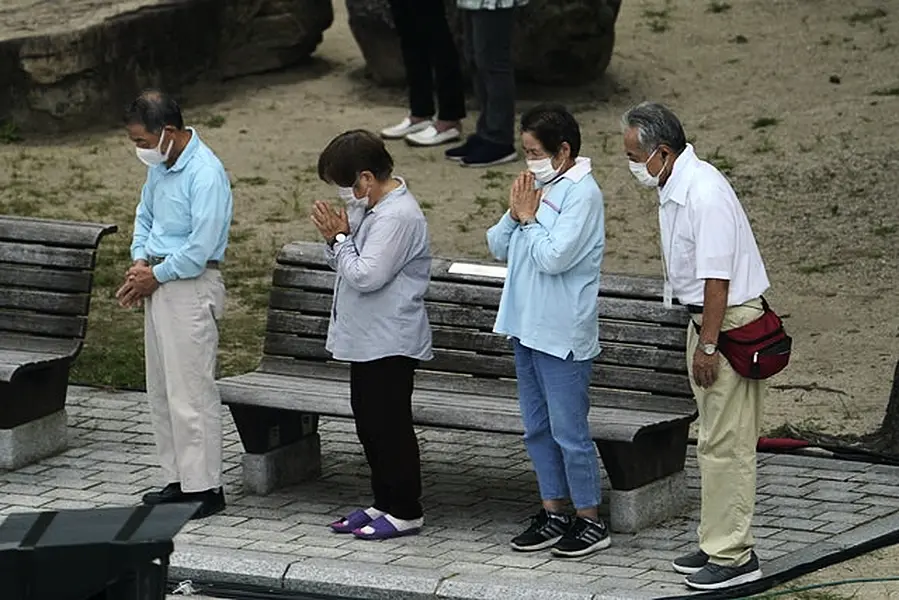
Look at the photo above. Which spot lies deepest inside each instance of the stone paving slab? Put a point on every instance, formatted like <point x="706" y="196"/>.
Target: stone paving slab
<point x="478" y="492"/>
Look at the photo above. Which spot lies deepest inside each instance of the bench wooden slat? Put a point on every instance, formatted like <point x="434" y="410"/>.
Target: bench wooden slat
<point x="74" y="234"/>
<point x="30" y="343"/>
<point x="454" y="338"/>
<point x="604" y="375"/>
<point x="19" y="352"/>
<point x="35" y="254"/>
<point x="13" y="361"/>
<point x="441" y="311"/>
<point x="44" y="279"/>
<point x="311" y="255"/>
<point x="612" y="284"/>
<point x="44" y="302"/>
<point x="330" y="397"/>
<point x="288" y="302"/>
<point x="481" y="386"/>
<point x="38" y="324"/>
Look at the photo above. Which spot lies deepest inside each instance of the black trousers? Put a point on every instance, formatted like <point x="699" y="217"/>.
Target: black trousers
<point x="429" y="56"/>
<point x="488" y="48"/>
<point x="381" y="397"/>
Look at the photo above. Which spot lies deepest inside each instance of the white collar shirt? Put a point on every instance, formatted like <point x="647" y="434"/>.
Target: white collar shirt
<point x="705" y="234"/>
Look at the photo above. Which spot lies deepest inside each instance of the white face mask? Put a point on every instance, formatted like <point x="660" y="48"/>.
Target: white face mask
<point x="543" y="170"/>
<point x="154" y="156"/>
<point x="346" y="194"/>
<point x="641" y="172"/>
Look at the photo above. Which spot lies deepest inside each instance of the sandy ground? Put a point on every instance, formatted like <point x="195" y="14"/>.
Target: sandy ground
<point x="796" y="99"/>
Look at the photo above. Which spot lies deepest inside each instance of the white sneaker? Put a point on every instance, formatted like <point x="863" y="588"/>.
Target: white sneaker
<point x="404" y="128"/>
<point x="432" y="137"/>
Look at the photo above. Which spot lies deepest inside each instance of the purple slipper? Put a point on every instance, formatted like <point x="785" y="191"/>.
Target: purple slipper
<point x="354" y="520"/>
<point x="383" y="530"/>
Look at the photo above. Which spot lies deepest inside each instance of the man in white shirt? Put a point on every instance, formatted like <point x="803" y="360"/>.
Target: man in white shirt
<point x="713" y="266"/>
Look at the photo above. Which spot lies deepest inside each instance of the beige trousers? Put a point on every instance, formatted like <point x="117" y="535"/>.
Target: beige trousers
<point x="730" y="417"/>
<point x="180" y="344"/>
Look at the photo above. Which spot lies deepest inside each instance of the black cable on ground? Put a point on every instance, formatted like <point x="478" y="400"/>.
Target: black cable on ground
<point x="839" y="453"/>
<point x="237" y="591"/>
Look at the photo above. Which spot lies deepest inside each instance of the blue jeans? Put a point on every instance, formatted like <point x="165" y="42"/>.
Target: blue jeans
<point x="554" y="400"/>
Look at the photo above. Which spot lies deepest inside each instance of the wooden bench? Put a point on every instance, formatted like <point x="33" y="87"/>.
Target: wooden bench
<point x="641" y="401"/>
<point x="46" y="273"/>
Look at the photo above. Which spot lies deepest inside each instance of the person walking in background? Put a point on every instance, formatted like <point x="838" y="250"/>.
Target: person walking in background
<point x="180" y="235"/>
<point x="714" y="268"/>
<point x="488" y="26"/>
<point x="431" y="60"/>
<point x="380" y="249"/>
<point x="552" y="238"/>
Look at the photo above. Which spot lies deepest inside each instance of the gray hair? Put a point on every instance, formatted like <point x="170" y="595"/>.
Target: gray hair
<point x="656" y="125"/>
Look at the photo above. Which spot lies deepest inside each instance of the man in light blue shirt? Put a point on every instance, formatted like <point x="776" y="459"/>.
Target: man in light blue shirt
<point x="180" y="235"/>
<point x="552" y="238"/>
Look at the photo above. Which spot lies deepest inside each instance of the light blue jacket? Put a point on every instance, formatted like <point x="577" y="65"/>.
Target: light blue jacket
<point x="549" y="299"/>
<point x="184" y="214"/>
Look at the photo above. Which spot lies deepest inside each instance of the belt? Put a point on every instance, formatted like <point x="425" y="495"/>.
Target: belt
<point x="694" y="309"/>
<point x="155" y="260"/>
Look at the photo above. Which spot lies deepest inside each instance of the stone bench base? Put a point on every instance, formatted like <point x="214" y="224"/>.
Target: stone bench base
<point x="640" y="508"/>
<point x="33" y="441"/>
<point x="284" y="466"/>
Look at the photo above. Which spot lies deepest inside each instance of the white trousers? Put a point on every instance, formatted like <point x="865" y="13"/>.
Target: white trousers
<point x="180" y="343"/>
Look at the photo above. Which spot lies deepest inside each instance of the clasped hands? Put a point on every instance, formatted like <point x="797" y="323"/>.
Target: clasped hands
<point x="328" y="221"/>
<point x="524" y="198"/>
<point x="139" y="283"/>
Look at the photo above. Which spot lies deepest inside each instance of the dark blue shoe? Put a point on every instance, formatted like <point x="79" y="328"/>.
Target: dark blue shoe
<point x="487" y="154"/>
<point x="460" y="152"/>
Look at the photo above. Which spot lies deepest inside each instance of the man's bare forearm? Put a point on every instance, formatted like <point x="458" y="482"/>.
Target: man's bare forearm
<point x="713" y="307"/>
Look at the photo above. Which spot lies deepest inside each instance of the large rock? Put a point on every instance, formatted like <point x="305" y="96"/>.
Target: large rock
<point x="556" y="41"/>
<point x="68" y="64"/>
<point x="374" y="31"/>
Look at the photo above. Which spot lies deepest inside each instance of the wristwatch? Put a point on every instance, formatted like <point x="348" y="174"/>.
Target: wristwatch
<point x="708" y="349"/>
<point x="338" y="239"/>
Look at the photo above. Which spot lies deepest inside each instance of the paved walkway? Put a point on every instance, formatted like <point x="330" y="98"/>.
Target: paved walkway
<point x="479" y="491"/>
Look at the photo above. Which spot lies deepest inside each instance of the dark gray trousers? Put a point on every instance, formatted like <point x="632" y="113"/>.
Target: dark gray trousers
<point x="488" y="49"/>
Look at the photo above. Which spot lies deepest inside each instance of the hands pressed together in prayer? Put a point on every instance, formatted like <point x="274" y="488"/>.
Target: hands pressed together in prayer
<point x="328" y="221"/>
<point x="524" y="199"/>
<point x="139" y="283"/>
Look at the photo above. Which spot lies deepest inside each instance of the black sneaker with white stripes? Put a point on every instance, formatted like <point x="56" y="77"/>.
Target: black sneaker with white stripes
<point x="545" y="530"/>
<point x="583" y="538"/>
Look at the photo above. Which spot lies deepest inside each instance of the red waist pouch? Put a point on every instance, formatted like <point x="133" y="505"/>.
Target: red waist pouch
<point x="758" y="349"/>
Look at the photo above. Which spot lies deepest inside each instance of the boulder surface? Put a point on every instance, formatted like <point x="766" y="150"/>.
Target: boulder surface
<point x="73" y="63"/>
<point x="555" y="42"/>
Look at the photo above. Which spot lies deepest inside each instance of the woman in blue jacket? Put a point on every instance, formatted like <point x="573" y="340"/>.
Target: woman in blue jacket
<point x="552" y="238"/>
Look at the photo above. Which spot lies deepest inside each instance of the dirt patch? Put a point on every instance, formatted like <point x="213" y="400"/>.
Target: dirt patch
<point x="881" y="563"/>
<point x="792" y="99"/>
